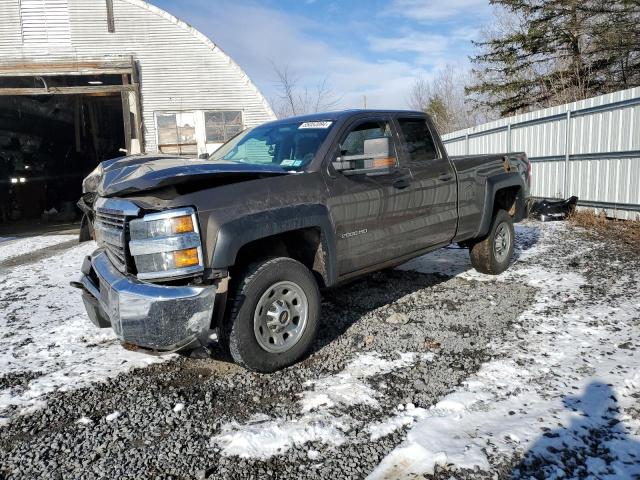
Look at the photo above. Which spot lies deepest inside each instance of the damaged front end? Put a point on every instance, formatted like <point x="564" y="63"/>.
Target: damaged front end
<point x="145" y="280"/>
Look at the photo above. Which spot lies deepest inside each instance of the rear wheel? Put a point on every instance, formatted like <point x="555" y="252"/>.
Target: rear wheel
<point x="273" y="315"/>
<point x="492" y="255"/>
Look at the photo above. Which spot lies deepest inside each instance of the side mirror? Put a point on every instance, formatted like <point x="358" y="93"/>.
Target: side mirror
<point x="203" y="156"/>
<point x="374" y="161"/>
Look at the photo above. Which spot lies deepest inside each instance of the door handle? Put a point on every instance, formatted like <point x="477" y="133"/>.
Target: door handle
<point x="401" y="183"/>
<point x="445" y="177"/>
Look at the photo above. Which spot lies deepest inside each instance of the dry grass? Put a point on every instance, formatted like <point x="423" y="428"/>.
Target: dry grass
<point x="625" y="232"/>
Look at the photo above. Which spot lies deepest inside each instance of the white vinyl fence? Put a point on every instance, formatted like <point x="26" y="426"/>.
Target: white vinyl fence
<point x="589" y="148"/>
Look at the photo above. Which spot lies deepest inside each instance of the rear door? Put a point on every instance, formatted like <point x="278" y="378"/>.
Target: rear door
<point x="434" y="190"/>
<point x="367" y="209"/>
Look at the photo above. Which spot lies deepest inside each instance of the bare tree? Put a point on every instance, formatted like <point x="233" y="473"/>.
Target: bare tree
<point x="443" y="97"/>
<point x="295" y="99"/>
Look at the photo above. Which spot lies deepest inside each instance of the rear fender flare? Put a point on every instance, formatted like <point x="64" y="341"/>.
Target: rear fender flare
<point x="495" y="183"/>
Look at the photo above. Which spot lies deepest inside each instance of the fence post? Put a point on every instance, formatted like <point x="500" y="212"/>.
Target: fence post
<point x="508" y="138"/>
<point x="567" y="156"/>
<point x="466" y="143"/>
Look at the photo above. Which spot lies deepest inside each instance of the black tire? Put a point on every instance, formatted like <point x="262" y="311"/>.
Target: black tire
<point x="484" y="257"/>
<point x="237" y="332"/>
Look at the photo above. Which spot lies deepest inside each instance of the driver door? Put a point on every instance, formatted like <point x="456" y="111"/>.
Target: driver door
<point x="367" y="207"/>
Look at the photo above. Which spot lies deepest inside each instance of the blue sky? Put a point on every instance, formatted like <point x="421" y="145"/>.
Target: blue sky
<point x="365" y="47"/>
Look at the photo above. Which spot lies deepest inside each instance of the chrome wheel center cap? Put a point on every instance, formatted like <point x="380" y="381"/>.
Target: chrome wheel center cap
<point x="279" y="315"/>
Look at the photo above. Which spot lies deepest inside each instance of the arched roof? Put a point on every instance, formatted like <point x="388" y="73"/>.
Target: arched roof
<point x="206" y="41"/>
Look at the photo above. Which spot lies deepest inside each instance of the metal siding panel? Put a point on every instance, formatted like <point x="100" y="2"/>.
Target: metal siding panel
<point x="604" y="132"/>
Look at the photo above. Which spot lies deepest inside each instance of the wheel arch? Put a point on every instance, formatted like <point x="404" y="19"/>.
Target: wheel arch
<point x="506" y="191"/>
<point x="302" y="232"/>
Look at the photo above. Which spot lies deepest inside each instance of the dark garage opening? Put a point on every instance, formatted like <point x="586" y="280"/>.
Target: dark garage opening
<point x="48" y="144"/>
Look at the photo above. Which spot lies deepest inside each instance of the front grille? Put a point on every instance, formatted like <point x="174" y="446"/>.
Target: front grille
<point x="112" y="231"/>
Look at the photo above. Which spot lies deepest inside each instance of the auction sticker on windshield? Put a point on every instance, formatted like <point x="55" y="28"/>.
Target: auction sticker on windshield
<point x="315" y="125"/>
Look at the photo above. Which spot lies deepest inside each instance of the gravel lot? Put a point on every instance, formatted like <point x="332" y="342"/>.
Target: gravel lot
<point x="391" y="348"/>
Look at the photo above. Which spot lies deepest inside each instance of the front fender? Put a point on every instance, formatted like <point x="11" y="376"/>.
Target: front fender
<point x="235" y="234"/>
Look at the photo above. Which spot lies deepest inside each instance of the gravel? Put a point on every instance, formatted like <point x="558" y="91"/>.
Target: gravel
<point x="159" y="421"/>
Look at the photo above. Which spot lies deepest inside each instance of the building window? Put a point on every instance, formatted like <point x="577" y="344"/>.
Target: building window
<point x="45" y="23"/>
<point x="221" y="126"/>
<point x="177" y="133"/>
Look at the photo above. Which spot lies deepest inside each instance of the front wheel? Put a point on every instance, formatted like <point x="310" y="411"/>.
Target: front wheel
<point x="272" y="316"/>
<point x="493" y="254"/>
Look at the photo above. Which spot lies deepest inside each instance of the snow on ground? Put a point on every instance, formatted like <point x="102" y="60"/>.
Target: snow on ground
<point x="321" y="419"/>
<point x="13" y="247"/>
<point x="47" y="342"/>
<point x="554" y="387"/>
<point x="560" y="379"/>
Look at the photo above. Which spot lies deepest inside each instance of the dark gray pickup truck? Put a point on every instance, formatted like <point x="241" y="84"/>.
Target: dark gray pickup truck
<point x="237" y="246"/>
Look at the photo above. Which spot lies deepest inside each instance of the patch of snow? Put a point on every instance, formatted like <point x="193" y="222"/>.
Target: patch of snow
<point x="179" y="407"/>
<point x="560" y="377"/>
<point x="348" y="387"/>
<point x="112" y="416"/>
<point x="265" y="438"/>
<point x="320" y="419"/>
<point x="44" y="330"/>
<point x="14" y="247"/>
<point x="313" y="454"/>
<point x="84" y="421"/>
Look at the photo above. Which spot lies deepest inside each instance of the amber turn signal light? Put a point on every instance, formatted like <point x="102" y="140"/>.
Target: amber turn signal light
<point x="182" y="224"/>
<point x="186" y="258"/>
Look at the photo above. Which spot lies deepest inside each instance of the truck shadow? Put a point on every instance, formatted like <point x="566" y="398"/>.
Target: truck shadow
<point x="344" y="305"/>
<point x="595" y="444"/>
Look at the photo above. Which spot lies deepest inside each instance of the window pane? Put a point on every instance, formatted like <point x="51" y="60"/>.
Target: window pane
<point x="233" y="118"/>
<point x="215" y="132"/>
<point x="221" y="126"/>
<point x="254" y="150"/>
<point x="167" y="129"/>
<point x="231" y="131"/>
<point x="186" y="128"/>
<point x="177" y="133"/>
<point x="284" y="144"/>
<point x="213" y="117"/>
<point x="354" y="143"/>
<point x="418" y="139"/>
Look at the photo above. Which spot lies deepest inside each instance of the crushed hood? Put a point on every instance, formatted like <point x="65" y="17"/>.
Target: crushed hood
<point x="138" y="173"/>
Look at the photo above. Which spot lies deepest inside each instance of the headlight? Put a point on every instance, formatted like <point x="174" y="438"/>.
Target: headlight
<point x="166" y="244"/>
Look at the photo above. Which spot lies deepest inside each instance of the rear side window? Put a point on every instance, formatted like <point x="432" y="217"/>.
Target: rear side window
<point x="419" y="142"/>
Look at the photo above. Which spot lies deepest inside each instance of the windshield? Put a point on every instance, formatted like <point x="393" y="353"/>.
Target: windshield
<point x="290" y="145"/>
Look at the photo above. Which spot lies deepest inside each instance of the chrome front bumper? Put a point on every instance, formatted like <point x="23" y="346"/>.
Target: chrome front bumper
<point x="155" y="317"/>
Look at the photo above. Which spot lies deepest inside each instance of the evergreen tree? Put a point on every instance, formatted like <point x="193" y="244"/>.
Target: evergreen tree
<point x="558" y="51"/>
<point x="440" y="113"/>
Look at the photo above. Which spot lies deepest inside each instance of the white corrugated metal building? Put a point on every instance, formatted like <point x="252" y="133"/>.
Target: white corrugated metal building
<point x="111" y="75"/>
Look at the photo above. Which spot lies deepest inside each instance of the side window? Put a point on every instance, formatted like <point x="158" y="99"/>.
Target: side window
<point x="418" y="139"/>
<point x="368" y="145"/>
<point x="353" y="144"/>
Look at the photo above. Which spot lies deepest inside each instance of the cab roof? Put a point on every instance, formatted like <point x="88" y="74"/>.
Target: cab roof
<point x="342" y="115"/>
